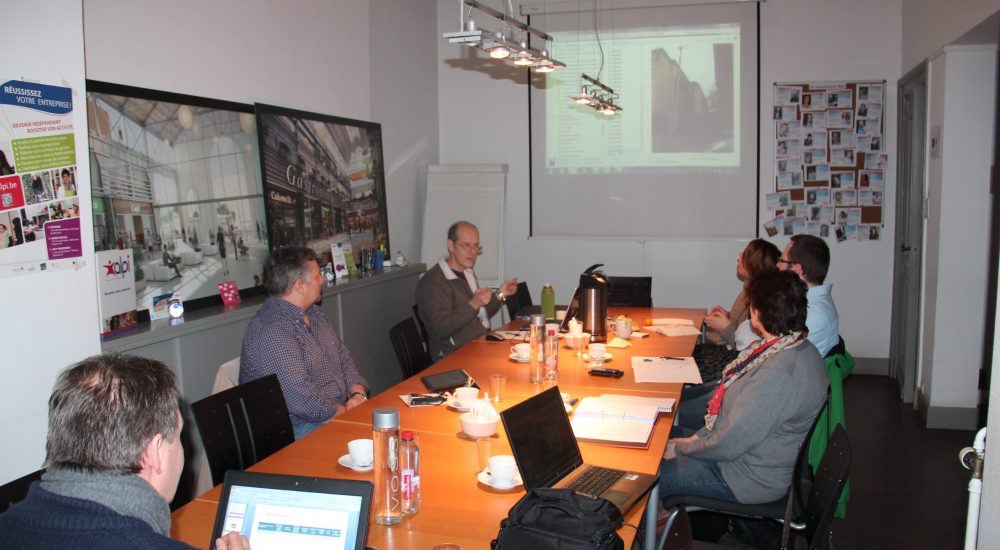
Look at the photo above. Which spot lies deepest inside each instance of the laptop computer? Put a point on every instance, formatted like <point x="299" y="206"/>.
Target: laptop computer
<point x="547" y="453"/>
<point x="282" y="511"/>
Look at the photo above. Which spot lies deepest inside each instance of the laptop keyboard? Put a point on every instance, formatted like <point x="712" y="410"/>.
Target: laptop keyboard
<point x="595" y="480"/>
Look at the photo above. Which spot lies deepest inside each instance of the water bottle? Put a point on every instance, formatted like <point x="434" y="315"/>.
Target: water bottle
<point x="385" y="434"/>
<point x="537" y="358"/>
<point x="552" y="355"/>
<point x="548" y="301"/>
<point x="409" y="458"/>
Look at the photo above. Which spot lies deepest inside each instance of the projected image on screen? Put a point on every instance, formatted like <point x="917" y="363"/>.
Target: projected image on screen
<point x="677" y="87"/>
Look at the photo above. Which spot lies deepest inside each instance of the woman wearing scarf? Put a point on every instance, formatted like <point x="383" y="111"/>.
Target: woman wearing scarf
<point x="761" y="410"/>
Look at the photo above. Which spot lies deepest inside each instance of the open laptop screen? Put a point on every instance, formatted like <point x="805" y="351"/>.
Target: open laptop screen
<point x="541" y="439"/>
<point x="282" y="512"/>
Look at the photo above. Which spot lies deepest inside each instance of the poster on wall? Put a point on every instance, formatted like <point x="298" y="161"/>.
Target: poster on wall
<point x="324" y="181"/>
<point x="39" y="206"/>
<point x="116" y="287"/>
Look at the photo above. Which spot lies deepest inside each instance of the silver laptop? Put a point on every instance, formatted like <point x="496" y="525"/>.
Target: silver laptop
<point x="282" y="511"/>
<point x="548" y="455"/>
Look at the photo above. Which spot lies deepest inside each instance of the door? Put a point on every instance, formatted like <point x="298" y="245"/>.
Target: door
<point x="904" y="340"/>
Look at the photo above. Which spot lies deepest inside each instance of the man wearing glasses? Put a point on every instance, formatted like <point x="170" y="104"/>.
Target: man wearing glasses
<point x="809" y="258"/>
<point x="452" y="305"/>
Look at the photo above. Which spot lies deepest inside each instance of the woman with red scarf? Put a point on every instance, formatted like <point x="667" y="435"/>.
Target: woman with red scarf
<point x="760" y="411"/>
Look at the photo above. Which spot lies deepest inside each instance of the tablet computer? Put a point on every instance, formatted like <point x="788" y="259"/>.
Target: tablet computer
<point x="447" y="381"/>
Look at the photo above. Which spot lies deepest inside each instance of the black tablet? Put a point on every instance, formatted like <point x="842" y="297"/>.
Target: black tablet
<point x="447" y="381"/>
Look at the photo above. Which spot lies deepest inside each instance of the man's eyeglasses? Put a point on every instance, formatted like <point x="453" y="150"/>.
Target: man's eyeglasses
<point x="784" y="261"/>
<point x="471" y="247"/>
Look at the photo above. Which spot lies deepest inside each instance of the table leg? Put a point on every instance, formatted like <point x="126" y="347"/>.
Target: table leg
<point x="652" y="507"/>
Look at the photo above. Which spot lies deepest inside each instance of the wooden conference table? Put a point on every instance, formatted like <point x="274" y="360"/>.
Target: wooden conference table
<point x="455" y="507"/>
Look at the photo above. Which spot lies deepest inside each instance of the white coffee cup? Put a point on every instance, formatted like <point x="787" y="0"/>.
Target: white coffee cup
<point x="502" y="469"/>
<point x="466" y="395"/>
<point x="596" y="351"/>
<point x="623" y="328"/>
<point x="522" y="351"/>
<point x="362" y="452"/>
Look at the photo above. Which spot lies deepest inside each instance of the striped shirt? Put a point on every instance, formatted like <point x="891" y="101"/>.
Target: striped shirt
<point x="314" y="367"/>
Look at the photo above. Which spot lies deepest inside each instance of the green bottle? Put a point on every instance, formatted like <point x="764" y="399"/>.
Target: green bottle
<point x="548" y="301"/>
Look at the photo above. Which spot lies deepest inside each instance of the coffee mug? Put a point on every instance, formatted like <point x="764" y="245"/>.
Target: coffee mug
<point x="596" y="351"/>
<point x="623" y="328"/>
<point x="522" y="351"/>
<point x="502" y="469"/>
<point x="465" y="396"/>
<point x="362" y="451"/>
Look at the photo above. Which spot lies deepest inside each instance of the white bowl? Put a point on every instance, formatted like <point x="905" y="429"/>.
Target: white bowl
<point x="473" y="428"/>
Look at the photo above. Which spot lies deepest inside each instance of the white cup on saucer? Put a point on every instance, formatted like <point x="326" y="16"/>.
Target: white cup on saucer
<point x="596" y="351"/>
<point x="362" y="452"/>
<point x="465" y="396"/>
<point x="502" y="468"/>
<point x="521" y="351"/>
<point x="623" y="328"/>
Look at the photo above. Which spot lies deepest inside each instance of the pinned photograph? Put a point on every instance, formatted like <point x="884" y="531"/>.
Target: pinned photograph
<point x="871" y="178"/>
<point x="788" y="95"/>
<point x="773" y="227"/>
<point x="841" y="156"/>
<point x="813" y="101"/>
<point x="839" y="99"/>
<point x="876" y="162"/>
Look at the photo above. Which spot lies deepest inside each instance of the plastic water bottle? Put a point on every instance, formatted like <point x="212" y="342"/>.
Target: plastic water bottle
<point x="537" y="358"/>
<point x="409" y="458"/>
<point x="552" y="355"/>
<point x="385" y="435"/>
<point x="548" y="301"/>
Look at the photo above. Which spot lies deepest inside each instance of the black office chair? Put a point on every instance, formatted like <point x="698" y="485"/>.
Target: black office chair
<point x="421" y="328"/>
<point x="678" y="531"/>
<point x="789" y="509"/>
<point x="520" y="300"/>
<point x="410" y="352"/>
<point x="630" y="291"/>
<point x="828" y="483"/>
<point x="243" y="425"/>
<point x="13" y="492"/>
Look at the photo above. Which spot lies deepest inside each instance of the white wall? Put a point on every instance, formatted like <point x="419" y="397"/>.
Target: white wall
<point x="50" y="319"/>
<point x="930" y="24"/>
<point x="484" y="120"/>
<point x="961" y="94"/>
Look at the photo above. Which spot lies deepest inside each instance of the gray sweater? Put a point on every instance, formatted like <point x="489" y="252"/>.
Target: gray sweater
<point x="444" y="308"/>
<point x="765" y="416"/>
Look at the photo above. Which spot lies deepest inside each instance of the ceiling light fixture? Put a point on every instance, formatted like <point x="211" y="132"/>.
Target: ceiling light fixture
<point x="597" y="95"/>
<point x="498" y="44"/>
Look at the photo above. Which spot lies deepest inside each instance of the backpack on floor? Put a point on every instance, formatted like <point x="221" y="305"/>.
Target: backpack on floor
<point x="560" y="519"/>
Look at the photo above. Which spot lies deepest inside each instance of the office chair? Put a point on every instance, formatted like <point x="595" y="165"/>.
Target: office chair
<point x="243" y="425"/>
<point x="788" y="509"/>
<point x="678" y="531"/>
<point x="838" y="363"/>
<point x="13" y="492"/>
<point x="410" y="352"/>
<point x="630" y="291"/>
<point x="421" y="328"/>
<point x="828" y="482"/>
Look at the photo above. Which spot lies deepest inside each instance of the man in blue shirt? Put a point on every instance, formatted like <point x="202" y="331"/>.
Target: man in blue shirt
<point x="291" y="337"/>
<point x="809" y="258"/>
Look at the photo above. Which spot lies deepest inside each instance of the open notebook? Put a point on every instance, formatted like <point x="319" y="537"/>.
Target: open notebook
<point x="303" y="513"/>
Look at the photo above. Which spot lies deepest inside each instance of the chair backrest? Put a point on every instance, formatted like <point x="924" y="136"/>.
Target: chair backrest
<point x="802" y="474"/>
<point x="243" y="425"/>
<point x="13" y="492"/>
<point x="421" y="329"/>
<point x="520" y="299"/>
<point x="828" y="482"/>
<point x="630" y="291"/>
<point x="678" y="531"/>
<point x="410" y="351"/>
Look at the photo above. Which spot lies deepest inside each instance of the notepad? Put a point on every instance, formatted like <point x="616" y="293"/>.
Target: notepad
<point x="663" y="404"/>
<point x="614" y="421"/>
<point x="664" y="370"/>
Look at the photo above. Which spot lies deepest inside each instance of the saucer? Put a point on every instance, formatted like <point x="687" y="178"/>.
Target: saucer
<point x="607" y="357"/>
<point x="346" y="462"/>
<point x="485" y="478"/>
<point x="453" y="404"/>
<point x="513" y="357"/>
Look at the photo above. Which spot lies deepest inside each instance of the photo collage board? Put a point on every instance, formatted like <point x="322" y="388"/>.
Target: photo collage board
<point x="830" y="160"/>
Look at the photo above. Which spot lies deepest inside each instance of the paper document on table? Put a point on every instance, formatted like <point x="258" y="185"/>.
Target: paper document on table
<point x="614" y="422"/>
<point x="663" y="404"/>
<point x="680" y="370"/>
<point x="617" y="342"/>
<point x="661" y="321"/>
<point x="675" y="330"/>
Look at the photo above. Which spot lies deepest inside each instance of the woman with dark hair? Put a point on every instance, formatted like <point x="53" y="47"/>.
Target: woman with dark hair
<point x="724" y="340"/>
<point x="761" y="409"/>
<point x="6" y="168"/>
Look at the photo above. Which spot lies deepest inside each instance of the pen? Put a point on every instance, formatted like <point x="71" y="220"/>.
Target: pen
<point x="572" y="402"/>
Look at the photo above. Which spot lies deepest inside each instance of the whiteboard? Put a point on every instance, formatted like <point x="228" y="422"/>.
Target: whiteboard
<point x="472" y="192"/>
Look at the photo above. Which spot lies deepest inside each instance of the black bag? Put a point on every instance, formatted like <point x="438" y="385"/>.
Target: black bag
<point x="560" y="519"/>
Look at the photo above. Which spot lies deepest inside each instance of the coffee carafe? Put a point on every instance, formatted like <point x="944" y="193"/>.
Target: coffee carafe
<point x="593" y="296"/>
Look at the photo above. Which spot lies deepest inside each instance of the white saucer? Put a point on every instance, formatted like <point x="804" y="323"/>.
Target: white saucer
<point x="485" y="478"/>
<point x="607" y="357"/>
<point x="346" y="462"/>
<point x="453" y="403"/>
<point x="513" y="357"/>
